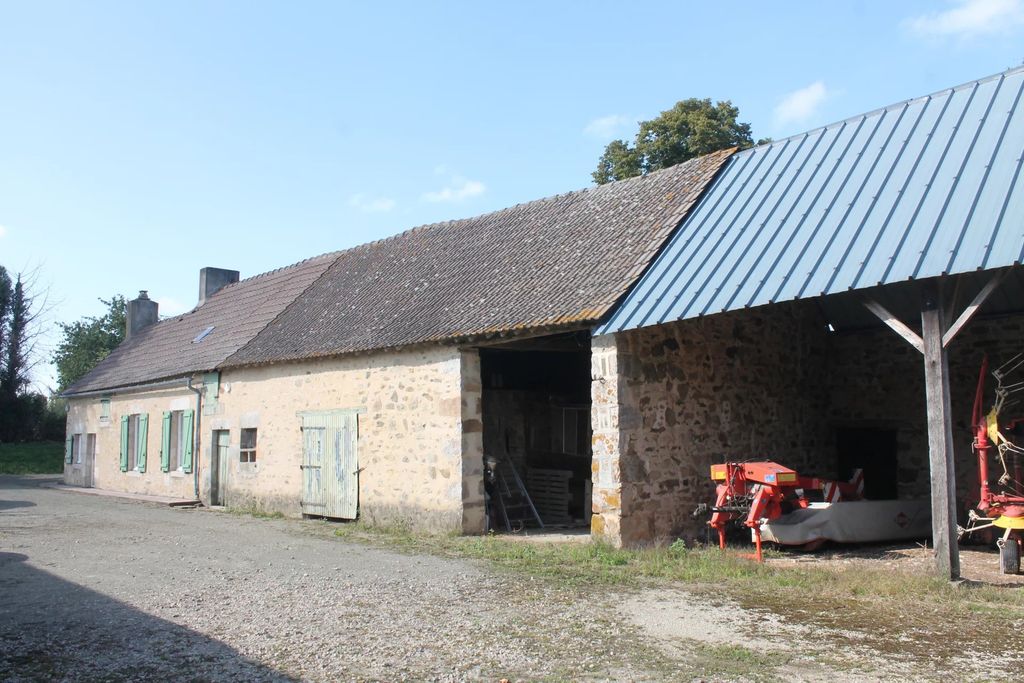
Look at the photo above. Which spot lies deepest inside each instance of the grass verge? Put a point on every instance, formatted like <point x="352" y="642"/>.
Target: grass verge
<point x="895" y="612"/>
<point x="40" y="457"/>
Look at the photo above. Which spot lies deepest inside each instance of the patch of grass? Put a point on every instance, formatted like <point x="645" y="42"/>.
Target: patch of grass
<point x="883" y="605"/>
<point x="39" y="457"/>
<point x="730" y="662"/>
<point x="256" y="511"/>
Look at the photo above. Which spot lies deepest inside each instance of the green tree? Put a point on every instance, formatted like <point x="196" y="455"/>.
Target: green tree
<point x="691" y="128"/>
<point x="88" y="341"/>
<point x="21" y="308"/>
<point x="14" y="377"/>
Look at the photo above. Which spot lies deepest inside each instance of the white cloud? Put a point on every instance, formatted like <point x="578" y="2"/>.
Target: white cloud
<point x="800" y="105"/>
<point x="456" y="191"/>
<point x="3" y="231"/>
<point x="371" y="204"/>
<point x="970" y="18"/>
<point x="607" y="127"/>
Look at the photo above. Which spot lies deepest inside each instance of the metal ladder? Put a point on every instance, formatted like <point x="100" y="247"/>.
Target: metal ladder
<point x="511" y="501"/>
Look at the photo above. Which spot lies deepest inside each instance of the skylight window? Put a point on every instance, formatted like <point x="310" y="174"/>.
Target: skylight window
<point x="203" y="335"/>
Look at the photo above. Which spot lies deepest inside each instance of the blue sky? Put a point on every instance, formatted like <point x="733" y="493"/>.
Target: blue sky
<point x="141" y="141"/>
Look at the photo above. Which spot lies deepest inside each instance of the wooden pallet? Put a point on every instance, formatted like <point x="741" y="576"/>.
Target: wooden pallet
<point x="549" y="490"/>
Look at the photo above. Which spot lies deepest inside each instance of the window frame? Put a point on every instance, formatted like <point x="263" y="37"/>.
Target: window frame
<point x="133" y="441"/>
<point x="176" y="442"/>
<point x="247" y="455"/>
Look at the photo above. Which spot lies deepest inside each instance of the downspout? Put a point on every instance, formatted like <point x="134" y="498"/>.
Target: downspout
<point x="195" y="435"/>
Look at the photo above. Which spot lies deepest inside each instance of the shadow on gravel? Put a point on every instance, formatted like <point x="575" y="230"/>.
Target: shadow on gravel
<point x="25" y="481"/>
<point x="11" y="504"/>
<point x="52" y="629"/>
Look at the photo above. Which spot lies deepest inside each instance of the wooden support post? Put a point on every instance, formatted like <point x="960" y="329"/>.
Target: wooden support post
<point x="940" y="436"/>
<point x="932" y="343"/>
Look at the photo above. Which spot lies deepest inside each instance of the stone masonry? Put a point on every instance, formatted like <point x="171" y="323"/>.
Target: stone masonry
<point x="771" y="383"/>
<point x="419" y="441"/>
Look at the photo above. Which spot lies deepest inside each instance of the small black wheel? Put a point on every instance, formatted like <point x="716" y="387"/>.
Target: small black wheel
<point x="1009" y="557"/>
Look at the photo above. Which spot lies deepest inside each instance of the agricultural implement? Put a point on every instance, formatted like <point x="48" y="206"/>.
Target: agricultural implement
<point x="752" y="493"/>
<point x="780" y="506"/>
<point x="1000" y="506"/>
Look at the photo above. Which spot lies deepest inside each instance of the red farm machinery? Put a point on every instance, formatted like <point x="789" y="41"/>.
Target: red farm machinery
<point x="753" y="493"/>
<point x="1001" y="506"/>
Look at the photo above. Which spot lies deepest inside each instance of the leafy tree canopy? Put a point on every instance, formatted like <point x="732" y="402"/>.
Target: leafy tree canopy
<point x="691" y="128"/>
<point x="88" y="341"/>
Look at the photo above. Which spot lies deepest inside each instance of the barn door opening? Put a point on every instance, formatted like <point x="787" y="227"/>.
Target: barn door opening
<point x="330" y="464"/>
<point x="536" y="424"/>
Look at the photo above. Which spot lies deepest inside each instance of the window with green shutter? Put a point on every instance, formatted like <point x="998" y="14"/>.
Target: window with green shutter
<point x="143" y="433"/>
<point x="69" y="445"/>
<point x="124" y="443"/>
<point x="165" y="442"/>
<point x="211" y="388"/>
<point x="187" y="440"/>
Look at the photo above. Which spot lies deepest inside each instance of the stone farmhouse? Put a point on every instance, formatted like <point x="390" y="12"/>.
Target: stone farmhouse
<point x="371" y="381"/>
<point x="824" y="301"/>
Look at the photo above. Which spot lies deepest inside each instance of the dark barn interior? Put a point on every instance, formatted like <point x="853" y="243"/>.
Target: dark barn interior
<point x="536" y="417"/>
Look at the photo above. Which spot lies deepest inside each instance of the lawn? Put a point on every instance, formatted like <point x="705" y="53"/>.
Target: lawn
<point x="40" y="457"/>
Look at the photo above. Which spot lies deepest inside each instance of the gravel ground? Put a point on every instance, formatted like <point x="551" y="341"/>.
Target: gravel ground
<point x="95" y="588"/>
<point x="99" y="588"/>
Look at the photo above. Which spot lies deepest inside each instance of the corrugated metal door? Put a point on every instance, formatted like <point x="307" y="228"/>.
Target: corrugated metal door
<point x="330" y="464"/>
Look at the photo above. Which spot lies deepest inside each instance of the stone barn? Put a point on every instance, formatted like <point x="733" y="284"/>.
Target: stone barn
<point x="371" y="382"/>
<point x="827" y="305"/>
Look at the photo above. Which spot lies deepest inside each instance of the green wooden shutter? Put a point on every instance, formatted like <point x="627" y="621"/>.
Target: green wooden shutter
<point x="165" y="443"/>
<point x="140" y="453"/>
<point x="124" y="443"/>
<point x="69" y="447"/>
<point x="187" y="441"/>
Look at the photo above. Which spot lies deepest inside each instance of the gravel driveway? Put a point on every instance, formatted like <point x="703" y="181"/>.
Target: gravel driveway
<point x="97" y="588"/>
<point x="100" y="588"/>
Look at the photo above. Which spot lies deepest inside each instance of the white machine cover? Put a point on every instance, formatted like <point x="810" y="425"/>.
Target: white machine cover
<point x="857" y="521"/>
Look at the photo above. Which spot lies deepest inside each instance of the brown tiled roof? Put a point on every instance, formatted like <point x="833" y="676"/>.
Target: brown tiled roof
<point x="236" y="313"/>
<point x="557" y="262"/>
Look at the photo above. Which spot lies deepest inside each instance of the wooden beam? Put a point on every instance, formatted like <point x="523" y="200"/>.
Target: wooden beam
<point x="972" y="308"/>
<point x="940" y="436"/>
<point x="895" y="323"/>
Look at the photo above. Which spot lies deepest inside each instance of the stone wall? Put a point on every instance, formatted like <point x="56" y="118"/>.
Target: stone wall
<point x="85" y="417"/>
<point x="419" y="441"/>
<point x="670" y="400"/>
<point x="415" y="429"/>
<point x="770" y="383"/>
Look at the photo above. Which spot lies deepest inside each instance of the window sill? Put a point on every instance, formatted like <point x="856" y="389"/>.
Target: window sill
<point x="135" y="473"/>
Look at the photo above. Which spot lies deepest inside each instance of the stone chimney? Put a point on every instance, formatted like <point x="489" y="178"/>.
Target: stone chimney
<point x="212" y="280"/>
<point x="142" y="312"/>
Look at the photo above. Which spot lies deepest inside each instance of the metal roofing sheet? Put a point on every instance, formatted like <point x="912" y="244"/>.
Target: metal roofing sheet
<point x="922" y="188"/>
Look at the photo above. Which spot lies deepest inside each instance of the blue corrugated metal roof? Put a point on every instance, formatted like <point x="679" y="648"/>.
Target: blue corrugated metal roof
<point x="922" y="188"/>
